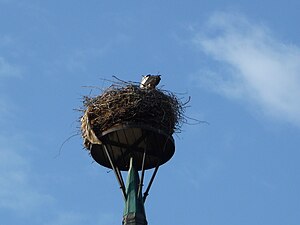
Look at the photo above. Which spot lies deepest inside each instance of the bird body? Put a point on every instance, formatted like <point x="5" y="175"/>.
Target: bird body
<point x="150" y="81"/>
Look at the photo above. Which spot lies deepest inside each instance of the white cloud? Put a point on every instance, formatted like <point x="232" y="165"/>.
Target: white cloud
<point x="196" y="175"/>
<point x="252" y="65"/>
<point x="77" y="218"/>
<point x="4" y="109"/>
<point x="7" y="69"/>
<point x="68" y="218"/>
<point x="16" y="191"/>
<point x="5" y="40"/>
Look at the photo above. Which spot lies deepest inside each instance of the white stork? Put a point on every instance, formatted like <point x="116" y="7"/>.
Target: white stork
<point x="150" y="81"/>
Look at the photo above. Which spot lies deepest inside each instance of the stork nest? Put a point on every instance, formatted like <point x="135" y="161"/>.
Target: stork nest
<point x="128" y="103"/>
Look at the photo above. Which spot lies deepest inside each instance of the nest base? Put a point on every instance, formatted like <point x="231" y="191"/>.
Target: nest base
<point x="135" y="140"/>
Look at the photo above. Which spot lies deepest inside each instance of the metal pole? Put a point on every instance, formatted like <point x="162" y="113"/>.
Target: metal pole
<point x="143" y="173"/>
<point x="117" y="173"/>
<point x="134" y="212"/>
<point x="150" y="183"/>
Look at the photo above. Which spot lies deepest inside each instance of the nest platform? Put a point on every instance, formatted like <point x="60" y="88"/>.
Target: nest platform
<point x="128" y="121"/>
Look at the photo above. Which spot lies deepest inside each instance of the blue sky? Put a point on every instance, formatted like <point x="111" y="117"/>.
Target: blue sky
<point x="238" y="60"/>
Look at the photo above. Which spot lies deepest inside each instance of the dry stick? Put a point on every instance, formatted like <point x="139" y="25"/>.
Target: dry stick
<point x="65" y="141"/>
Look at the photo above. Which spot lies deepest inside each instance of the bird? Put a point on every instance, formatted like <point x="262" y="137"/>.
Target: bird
<point x="150" y="81"/>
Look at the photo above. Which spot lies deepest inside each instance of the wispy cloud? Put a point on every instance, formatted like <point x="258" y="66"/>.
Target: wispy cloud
<point x="7" y="69"/>
<point x="68" y="218"/>
<point x="77" y="218"/>
<point x="209" y="168"/>
<point x="253" y="65"/>
<point x="5" y="40"/>
<point x="16" y="190"/>
<point x="4" y="109"/>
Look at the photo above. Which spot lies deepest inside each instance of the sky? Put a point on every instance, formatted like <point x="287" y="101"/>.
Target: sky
<point x="238" y="60"/>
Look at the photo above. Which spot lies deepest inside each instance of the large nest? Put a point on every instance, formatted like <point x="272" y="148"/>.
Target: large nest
<point x="128" y="103"/>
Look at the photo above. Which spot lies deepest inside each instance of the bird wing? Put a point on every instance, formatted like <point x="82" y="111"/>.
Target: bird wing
<point x="144" y="81"/>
